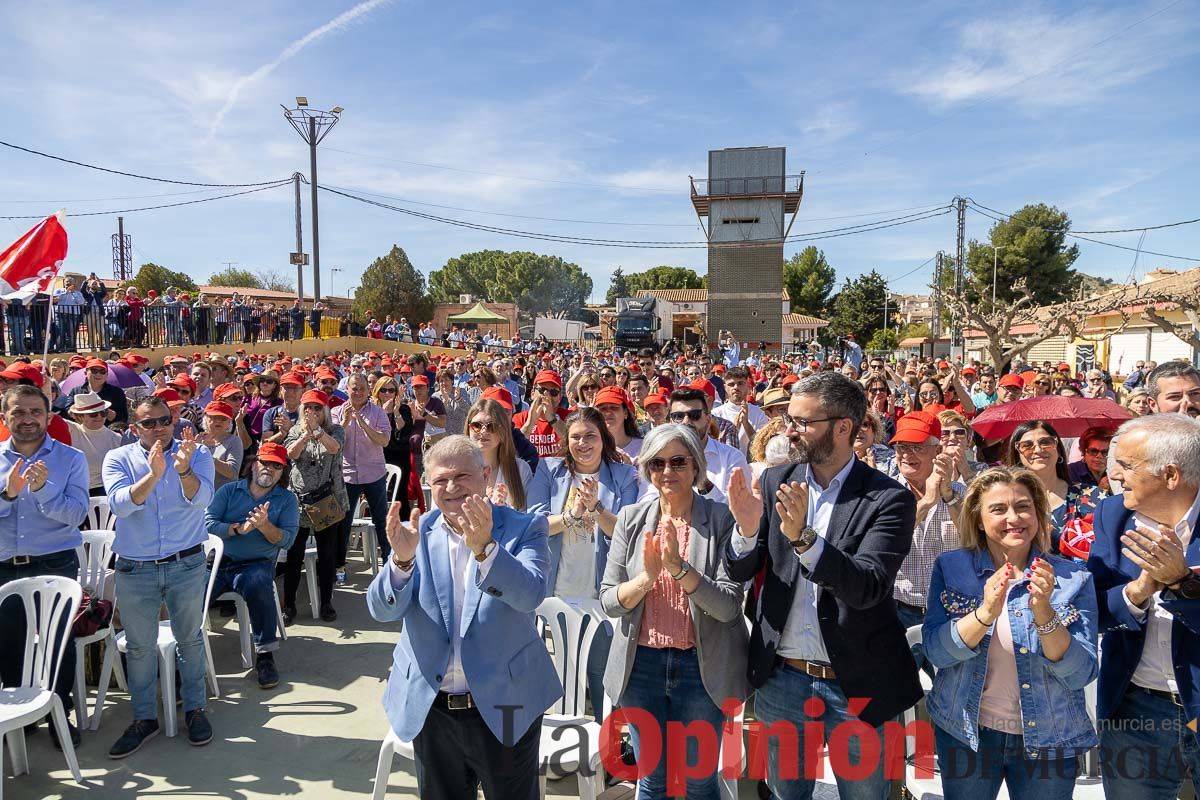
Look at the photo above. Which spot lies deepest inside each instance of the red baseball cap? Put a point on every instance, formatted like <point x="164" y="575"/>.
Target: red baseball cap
<point x="219" y="408"/>
<point x="420" y="380"/>
<point x="547" y="376"/>
<point x="97" y="363"/>
<point x="612" y="395"/>
<point x="500" y="395"/>
<point x="185" y="382"/>
<point x="170" y="396"/>
<point x="656" y="399"/>
<point x="314" y="396"/>
<point x="917" y="427"/>
<point x="291" y="378"/>
<point x="225" y="390"/>
<point x="705" y="386"/>
<point x="273" y="452"/>
<point x="1012" y="380"/>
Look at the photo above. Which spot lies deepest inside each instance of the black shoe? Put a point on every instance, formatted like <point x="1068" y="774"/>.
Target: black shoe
<point x="327" y="613"/>
<point x="289" y="615"/>
<point x="226" y="608"/>
<point x="134" y="737"/>
<point x="268" y="676"/>
<point x="198" y="727"/>
<point x="75" y="738"/>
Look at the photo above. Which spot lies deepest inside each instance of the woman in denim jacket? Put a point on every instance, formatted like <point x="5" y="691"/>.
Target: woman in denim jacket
<point x="1012" y="633"/>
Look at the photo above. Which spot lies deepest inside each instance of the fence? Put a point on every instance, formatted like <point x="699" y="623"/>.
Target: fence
<point x="77" y="329"/>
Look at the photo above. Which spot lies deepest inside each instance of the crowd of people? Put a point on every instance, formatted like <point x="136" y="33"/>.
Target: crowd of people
<point x="761" y="530"/>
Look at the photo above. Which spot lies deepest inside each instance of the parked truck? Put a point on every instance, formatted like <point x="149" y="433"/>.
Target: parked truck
<point x="637" y="323"/>
<point x="559" y="330"/>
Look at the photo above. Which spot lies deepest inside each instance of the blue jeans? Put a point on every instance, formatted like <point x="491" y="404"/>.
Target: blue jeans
<point x="782" y="699"/>
<point x="17" y="328"/>
<point x="1145" y="748"/>
<point x="377" y="506"/>
<point x="666" y="684"/>
<point x="142" y="587"/>
<point x="969" y="775"/>
<point x="908" y="618"/>
<point x="254" y="580"/>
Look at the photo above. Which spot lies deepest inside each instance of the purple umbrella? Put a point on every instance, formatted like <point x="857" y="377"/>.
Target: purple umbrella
<point x="118" y="375"/>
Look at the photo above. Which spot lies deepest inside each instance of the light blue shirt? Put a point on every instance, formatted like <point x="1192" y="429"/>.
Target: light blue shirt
<point x="167" y="522"/>
<point x="801" y="637"/>
<point x="233" y="502"/>
<point x="46" y="521"/>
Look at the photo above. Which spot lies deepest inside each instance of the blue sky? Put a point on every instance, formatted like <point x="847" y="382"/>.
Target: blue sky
<point x="598" y="112"/>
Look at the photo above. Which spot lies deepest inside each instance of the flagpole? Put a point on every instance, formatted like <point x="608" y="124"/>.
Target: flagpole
<point x="46" y="344"/>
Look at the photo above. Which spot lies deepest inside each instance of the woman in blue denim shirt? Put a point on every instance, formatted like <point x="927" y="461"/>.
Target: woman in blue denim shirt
<point x="1012" y="633"/>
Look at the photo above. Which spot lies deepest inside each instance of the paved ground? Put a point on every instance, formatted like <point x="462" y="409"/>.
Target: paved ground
<point x="316" y="735"/>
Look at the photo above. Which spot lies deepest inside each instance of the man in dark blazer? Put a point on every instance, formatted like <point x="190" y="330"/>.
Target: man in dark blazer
<point x="1144" y="561"/>
<point x="824" y="543"/>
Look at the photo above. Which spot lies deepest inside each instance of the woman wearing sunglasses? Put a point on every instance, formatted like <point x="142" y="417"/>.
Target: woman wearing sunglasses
<point x="508" y="476"/>
<point x="1036" y="446"/>
<point x="398" y="450"/>
<point x="89" y="434"/>
<point x="680" y="645"/>
<point x="268" y="396"/>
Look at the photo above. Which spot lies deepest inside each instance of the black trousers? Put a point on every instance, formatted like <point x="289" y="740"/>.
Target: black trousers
<point x="456" y="752"/>
<point x="12" y="622"/>
<point x="326" y="555"/>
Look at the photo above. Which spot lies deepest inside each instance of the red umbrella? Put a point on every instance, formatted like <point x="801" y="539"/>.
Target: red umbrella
<point x="1070" y="416"/>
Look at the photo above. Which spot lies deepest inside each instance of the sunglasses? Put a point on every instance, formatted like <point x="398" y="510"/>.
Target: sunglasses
<point x="267" y="380"/>
<point x="953" y="433"/>
<point x="1095" y="451"/>
<point x="389" y="390"/>
<point x="591" y="387"/>
<point x="676" y="463"/>
<point x="151" y="423"/>
<point x="550" y="391"/>
<point x="1040" y="444"/>
<point x="693" y="414"/>
<point x="479" y="427"/>
<point x="97" y="371"/>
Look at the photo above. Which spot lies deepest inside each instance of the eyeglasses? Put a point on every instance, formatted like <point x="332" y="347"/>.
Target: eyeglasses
<point x="151" y="423"/>
<point x="804" y="424"/>
<point x="267" y="380"/>
<point x="953" y="433"/>
<point x="877" y="366"/>
<point x="908" y="449"/>
<point x="549" y="391"/>
<point x="481" y="427"/>
<point x="676" y="463"/>
<point x="97" y="371"/>
<point x="1040" y="444"/>
<point x="1097" y="452"/>
<point x="878" y="390"/>
<point x="693" y="414"/>
<point x="591" y="387"/>
<point x="388" y="390"/>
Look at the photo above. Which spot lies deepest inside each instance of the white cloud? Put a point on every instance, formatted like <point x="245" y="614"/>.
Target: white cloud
<point x="830" y="123"/>
<point x="1040" y="60"/>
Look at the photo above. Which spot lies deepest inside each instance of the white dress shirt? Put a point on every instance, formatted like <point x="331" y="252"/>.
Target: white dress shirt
<point x="454" y="680"/>
<point x="801" y="637"/>
<point x="730" y="411"/>
<point x="1154" y="670"/>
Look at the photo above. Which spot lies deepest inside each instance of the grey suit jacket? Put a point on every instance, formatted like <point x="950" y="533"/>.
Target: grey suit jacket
<point x="716" y="605"/>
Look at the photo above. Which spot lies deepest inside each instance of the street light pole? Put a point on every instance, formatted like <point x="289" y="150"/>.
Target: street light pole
<point x="313" y="126"/>
<point x="332" y="280"/>
<point x="995" y="262"/>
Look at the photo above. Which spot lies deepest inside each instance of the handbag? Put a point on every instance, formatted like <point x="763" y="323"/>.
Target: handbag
<point x="321" y="508"/>
<point x="93" y="614"/>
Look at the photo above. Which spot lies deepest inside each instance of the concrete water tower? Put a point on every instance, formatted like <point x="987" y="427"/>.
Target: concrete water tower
<point x="750" y="203"/>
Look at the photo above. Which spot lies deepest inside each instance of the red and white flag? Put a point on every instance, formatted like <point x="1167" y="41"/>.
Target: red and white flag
<point x="28" y="265"/>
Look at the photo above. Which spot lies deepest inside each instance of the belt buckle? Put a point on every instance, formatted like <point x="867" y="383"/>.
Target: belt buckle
<point x="1175" y="699"/>
<point x="21" y="561"/>
<point x="459" y="702"/>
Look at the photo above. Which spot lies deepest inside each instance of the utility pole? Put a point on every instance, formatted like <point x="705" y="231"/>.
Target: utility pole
<point x="122" y="269"/>
<point x="313" y="126"/>
<point x="935" y="327"/>
<point x="956" y="338"/>
<point x="298" y="256"/>
<point x="229" y="264"/>
<point x="995" y="264"/>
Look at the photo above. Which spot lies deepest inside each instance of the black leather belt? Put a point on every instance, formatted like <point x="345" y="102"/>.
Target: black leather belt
<point x="455" y="702"/>
<point x="915" y="609"/>
<point x="182" y="554"/>
<point x="25" y="561"/>
<point x="1161" y="694"/>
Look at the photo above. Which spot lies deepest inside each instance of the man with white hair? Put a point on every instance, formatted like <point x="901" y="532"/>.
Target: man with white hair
<point x="1144" y="562"/>
<point x="471" y="676"/>
<point x="1096" y="387"/>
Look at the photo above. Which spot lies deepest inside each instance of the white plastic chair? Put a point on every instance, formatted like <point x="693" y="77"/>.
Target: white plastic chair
<point x="167" y="645"/>
<point x="571" y="631"/>
<point x="99" y="515"/>
<point x="245" y="633"/>
<point x="310" y="577"/>
<point x="50" y="603"/>
<point x="365" y="527"/>
<point x="95" y="576"/>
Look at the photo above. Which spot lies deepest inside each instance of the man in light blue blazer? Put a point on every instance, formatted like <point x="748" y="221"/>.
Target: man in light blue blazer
<point x="470" y="676"/>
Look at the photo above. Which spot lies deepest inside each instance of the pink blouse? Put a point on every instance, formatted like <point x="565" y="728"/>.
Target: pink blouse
<point x="667" y="616"/>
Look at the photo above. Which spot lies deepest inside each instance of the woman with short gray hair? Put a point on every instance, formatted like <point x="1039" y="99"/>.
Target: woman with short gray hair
<point x="680" y="646"/>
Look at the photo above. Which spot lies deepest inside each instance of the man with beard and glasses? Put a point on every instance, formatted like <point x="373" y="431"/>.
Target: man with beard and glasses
<point x="827" y="536"/>
<point x="257" y="517"/>
<point x="45" y="495"/>
<point x="1175" y="388"/>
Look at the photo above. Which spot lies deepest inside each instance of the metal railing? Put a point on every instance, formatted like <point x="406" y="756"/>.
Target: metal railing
<point x="769" y="184"/>
<point x="77" y="329"/>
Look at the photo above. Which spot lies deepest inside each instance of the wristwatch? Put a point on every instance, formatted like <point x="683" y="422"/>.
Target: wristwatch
<point x="805" y="540"/>
<point x="1189" y="587"/>
<point x="683" y="570"/>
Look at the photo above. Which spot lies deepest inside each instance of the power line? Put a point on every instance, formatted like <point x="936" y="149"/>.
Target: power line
<point x="983" y="211"/>
<point x="155" y="208"/>
<point x="132" y="174"/>
<point x="635" y="244"/>
<point x="50" y="201"/>
<point x="1148" y="227"/>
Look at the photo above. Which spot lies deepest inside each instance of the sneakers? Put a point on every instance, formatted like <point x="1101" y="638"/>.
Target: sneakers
<point x="198" y="728"/>
<point x="340" y="576"/>
<point x="327" y="613"/>
<point x="268" y="676"/>
<point x="134" y="737"/>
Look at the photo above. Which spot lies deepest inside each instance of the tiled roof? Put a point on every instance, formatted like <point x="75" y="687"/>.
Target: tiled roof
<point x="804" y="319"/>
<point x="684" y="295"/>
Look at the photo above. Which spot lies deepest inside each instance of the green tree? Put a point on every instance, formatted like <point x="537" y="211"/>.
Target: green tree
<point x="883" y="341"/>
<point x="236" y="278"/>
<point x="392" y="285"/>
<point x="1030" y="245"/>
<point x="858" y="307"/>
<point x="809" y="279"/>
<point x="159" y="278"/>
<point x="913" y="330"/>
<point x="664" y="277"/>
<point x="538" y="284"/>
<point x="618" y="288"/>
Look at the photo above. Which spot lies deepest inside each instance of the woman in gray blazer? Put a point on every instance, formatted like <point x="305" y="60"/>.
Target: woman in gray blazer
<point x="679" y="650"/>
